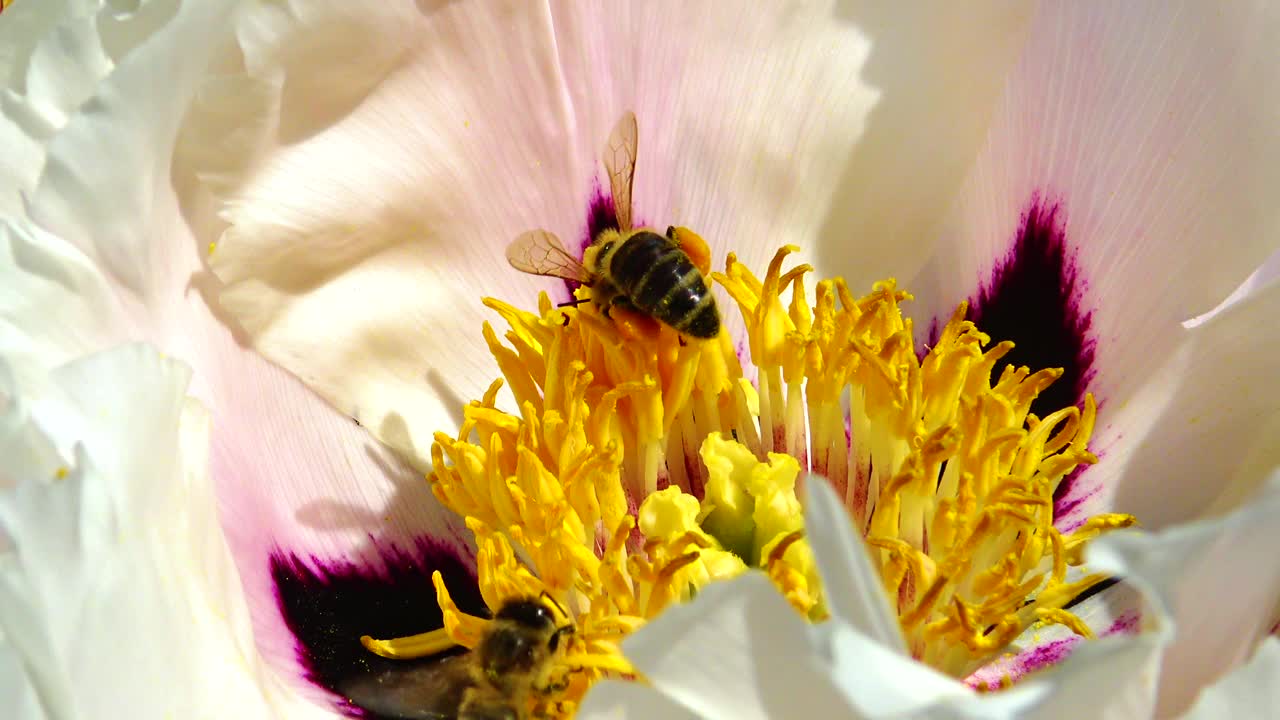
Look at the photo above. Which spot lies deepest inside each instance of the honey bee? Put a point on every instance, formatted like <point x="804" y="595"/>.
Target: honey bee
<point x="494" y="681"/>
<point x="633" y="273"/>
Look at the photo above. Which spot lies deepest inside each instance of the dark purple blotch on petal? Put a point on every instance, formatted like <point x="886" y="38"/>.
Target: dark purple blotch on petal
<point x="601" y="216"/>
<point x="1035" y="297"/>
<point x="328" y="604"/>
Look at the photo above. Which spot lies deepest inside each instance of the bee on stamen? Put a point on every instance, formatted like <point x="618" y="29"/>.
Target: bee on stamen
<point x="636" y="275"/>
<point x="513" y="663"/>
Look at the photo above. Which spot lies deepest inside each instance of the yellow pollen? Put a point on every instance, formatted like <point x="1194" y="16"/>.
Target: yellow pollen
<point x="624" y="475"/>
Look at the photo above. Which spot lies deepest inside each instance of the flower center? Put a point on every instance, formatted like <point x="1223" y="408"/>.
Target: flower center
<point x="635" y="472"/>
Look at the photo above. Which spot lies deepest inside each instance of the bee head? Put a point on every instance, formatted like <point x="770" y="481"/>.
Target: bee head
<point x="531" y="614"/>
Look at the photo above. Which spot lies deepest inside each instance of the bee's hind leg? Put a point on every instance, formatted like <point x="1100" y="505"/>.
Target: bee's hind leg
<point x="693" y="245"/>
<point x="632" y="324"/>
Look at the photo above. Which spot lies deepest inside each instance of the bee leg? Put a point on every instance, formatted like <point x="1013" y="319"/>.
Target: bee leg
<point x="555" y="687"/>
<point x="693" y="245"/>
<point x="634" y="325"/>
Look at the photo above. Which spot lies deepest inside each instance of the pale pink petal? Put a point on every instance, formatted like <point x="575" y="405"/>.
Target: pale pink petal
<point x="1199" y="436"/>
<point x="357" y="256"/>
<point x="940" y="69"/>
<point x="1142" y="140"/>
<point x="1266" y="274"/>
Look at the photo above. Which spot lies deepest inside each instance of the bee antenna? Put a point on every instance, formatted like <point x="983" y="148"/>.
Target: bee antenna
<point x="571" y="303"/>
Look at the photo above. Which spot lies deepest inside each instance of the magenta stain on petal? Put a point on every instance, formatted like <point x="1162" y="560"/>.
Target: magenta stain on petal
<point x="329" y="603"/>
<point x="1126" y="624"/>
<point x="1065" y="517"/>
<point x="1029" y="661"/>
<point x="1035" y="297"/>
<point x="935" y="331"/>
<point x="742" y="349"/>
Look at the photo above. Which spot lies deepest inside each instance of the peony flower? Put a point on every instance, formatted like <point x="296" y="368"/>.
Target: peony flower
<point x="375" y="162"/>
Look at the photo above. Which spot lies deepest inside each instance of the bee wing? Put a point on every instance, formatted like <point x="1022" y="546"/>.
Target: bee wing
<point x="430" y="690"/>
<point x="620" y="163"/>
<point x="540" y="253"/>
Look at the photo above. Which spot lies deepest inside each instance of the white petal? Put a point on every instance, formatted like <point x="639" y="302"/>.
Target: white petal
<point x="65" y="68"/>
<point x="357" y="257"/>
<point x="1107" y="679"/>
<point x="851" y="586"/>
<point x="293" y="475"/>
<point x="15" y="687"/>
<point x="25" y="26"/>
<point x="884" y="683"/>
<point x="1218" y="581"/>
<point x="737" y="650"/>
<point x="128" y="132"/>
<point x="50" y="61"/>
<point x="19" y="164"/>
<point x="123" y="559"/>
<point x="1248" y="693"/>
<point x="617" y="700"/>
<point x="939" y="69"/>
<point x="53" y="301"/>
<point x="1151" y="129"/>
<point x="1116" y="610"/>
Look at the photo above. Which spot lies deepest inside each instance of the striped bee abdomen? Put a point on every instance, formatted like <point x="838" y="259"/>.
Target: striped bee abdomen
<point x="660" y="280"/>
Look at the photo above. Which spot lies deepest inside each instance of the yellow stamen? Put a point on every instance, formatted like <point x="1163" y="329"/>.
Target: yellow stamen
<point x="414" y="646"/>
<point x="634" y="472"/>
